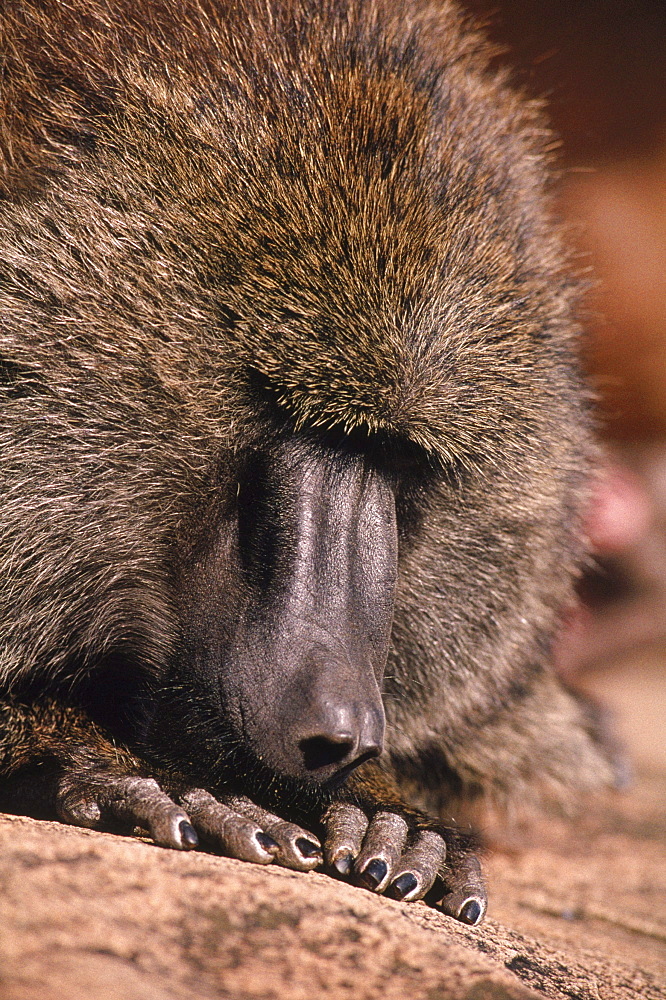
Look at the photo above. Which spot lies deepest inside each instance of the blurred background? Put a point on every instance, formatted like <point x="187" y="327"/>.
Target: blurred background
<point x="601" y="65"/>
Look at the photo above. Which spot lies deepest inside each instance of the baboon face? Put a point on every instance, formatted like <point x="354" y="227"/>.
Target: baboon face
<point x="290" y="607"/>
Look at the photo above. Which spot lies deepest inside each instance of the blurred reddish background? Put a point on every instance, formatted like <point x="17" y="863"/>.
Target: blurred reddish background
<point x="601" y="64"/>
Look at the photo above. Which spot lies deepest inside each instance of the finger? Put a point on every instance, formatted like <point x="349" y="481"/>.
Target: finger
<point x="466" y="898"/>
<point x="346" y="826"/>
<point x="418" y="868"/>
<point x="382" y="849"/>
<point x="233" y="834"/>
<point x="131" y="801"/>
<point x="296" y="847"/>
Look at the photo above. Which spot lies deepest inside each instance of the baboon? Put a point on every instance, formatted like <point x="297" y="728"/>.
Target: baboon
<point x="295" y="447"/>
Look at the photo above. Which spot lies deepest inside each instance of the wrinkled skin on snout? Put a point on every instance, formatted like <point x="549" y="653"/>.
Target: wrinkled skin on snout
<point x="288" y="611"/>
<point x="318" y="547"/>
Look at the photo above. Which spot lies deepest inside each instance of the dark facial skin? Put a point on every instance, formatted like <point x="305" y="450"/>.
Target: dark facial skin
<point x="291" y="654"/>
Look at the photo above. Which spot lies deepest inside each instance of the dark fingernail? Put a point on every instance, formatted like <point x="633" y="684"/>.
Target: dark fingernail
<point x="470" y="912"/>
<point x="307" y="847"/>
<point x="267" y="842"/>
<point x="403" y="886"/>
<point x="374" y="874"/>
<point x="188" y="835"/>
<point x="343" y="864"/>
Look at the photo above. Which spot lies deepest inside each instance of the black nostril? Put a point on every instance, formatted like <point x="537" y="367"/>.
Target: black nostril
<point x="321" y="751"/>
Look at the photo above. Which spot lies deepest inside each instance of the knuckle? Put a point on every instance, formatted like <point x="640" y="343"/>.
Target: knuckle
<point x="78" y="808"/>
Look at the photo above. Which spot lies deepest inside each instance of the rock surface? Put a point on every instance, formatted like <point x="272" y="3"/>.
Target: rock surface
<point x="575" y="912"/>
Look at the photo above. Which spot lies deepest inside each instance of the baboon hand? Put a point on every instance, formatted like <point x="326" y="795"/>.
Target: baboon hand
<point x="400" y="853"/>
<point x="405" y="856"/>
<point x="232" y="825"/>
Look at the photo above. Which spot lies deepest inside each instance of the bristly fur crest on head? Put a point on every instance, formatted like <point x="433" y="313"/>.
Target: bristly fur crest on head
<point x="307" y="163"/>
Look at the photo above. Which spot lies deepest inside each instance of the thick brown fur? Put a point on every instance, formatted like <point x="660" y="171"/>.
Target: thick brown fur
<point x="327" y="216"/>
